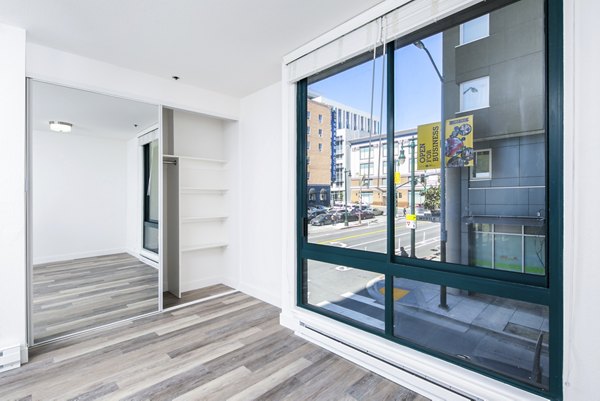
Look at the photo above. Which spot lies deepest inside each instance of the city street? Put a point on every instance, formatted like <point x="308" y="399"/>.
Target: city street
<point x="487" y="331"/>
<point x="371" y="236"/>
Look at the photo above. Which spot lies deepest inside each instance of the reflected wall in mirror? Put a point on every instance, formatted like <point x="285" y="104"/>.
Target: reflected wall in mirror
<point x="86" y="211"/>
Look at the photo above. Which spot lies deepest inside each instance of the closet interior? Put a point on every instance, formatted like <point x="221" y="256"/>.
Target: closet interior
<point x="196" y="205"/>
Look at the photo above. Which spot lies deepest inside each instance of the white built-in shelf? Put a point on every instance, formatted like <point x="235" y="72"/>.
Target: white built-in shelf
<point x="193" y="190"/>
<point x="198" y="159"/>
<point x="202" y="219"/>
<point x="203" y="247"/>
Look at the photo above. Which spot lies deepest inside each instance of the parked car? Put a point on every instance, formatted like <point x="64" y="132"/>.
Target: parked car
<point x="422" y="213"/>
<point x="376" y="211"/>
<point x="314" y="212"/>
<point x="323" y="219"/>
<point x="364" y="214"/>
<point x="340" y="215"/>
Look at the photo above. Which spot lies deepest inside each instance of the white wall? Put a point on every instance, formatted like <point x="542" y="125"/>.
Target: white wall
<point x="79" y="196"/>
<point x="12" y="183"/>
<point x="260" y="187"/>
<point x="581" y="214"/>
<point x="198" y="136"/>
<point x="56" y="66"/>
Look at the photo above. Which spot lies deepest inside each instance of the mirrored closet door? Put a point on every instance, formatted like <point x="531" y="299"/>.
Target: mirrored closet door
<point x="92" y="210"/>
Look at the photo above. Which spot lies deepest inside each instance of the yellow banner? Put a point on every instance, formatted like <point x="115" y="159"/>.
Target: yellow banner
<point x="459" y="142"/>
<point x="428" y="146"/>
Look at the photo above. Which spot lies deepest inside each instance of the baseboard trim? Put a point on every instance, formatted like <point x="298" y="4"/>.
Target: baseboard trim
<point x="78" y="255"/>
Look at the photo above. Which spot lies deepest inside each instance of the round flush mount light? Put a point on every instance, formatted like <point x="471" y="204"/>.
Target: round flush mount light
<point x="60" y="126"/>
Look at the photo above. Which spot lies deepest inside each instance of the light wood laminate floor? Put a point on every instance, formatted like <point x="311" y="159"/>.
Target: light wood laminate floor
<point x="170" y="300"/>
<point x="79" y="294"/>
<point x="227" y="348"/>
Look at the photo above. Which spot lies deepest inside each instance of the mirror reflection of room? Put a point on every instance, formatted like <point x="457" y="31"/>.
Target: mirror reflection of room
<point x="88" y="221"/>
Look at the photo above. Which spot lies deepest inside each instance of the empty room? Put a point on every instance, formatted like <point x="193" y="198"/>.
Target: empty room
<point x="279" y="200"/>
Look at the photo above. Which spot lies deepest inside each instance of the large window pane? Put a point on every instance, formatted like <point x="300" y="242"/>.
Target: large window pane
<point x="346" y="292"/>
<point x="490" y="95"/>
<point x="503" y="335"/>
<point x="347" y="164"/>
<point x="507" y="252"/>
<point x="535" y="255"/>
<point x="482" y="249"/>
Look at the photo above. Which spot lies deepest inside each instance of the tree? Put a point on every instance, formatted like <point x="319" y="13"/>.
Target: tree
<point x="432" y="198"/>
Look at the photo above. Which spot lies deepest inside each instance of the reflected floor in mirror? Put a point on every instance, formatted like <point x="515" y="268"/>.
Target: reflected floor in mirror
<point x="79" y="294"/>
<point x="170" y="300"/>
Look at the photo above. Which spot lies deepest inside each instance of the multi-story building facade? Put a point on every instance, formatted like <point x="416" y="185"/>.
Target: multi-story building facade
<point x="502" y="198"/>
<point x="319" y="153"/>
<point x="368" y="170"/>
<point x="347" y="124"/>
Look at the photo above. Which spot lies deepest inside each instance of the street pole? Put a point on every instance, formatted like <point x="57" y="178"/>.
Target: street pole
<point x="443" y="233"/>
<point x="412" y="146"/>
<point x="346" y="195"/>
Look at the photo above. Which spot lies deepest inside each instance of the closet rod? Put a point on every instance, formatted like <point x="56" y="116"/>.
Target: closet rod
<point x="170" y="162"/>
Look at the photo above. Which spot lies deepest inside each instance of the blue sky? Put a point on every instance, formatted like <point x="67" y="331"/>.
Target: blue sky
<point x="417" y="85"/>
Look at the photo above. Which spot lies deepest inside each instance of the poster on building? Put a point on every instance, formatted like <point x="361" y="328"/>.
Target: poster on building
<point x="428" y="146"/>
<point x="459" y="142"/>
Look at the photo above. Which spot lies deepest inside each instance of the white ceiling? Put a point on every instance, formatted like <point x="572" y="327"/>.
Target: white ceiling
<point x="229" y="46"/>
<point x="90" y="113"/>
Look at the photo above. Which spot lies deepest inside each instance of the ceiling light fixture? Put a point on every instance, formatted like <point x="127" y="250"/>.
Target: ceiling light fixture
<point x="60" y="126"/>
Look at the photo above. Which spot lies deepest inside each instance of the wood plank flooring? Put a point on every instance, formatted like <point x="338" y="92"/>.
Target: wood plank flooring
<point x="79" y="294"/>
<point x="170" y="300"/>
<point x="228" y="348"/>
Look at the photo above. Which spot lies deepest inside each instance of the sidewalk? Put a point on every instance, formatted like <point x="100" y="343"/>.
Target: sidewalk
<point x="519" y="320"/>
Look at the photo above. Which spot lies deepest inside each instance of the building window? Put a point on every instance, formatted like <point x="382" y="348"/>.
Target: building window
<point x="475" y="94"/>
<point x="365" y="169"/>
<point x="519" y="249"/>
<point x="308" y="115"/>
<point x="475" y="29"/>
<point x="320" y="132"/>
<point x="307" y="145"/>
<point x="323" y="194"/>
<point x="365" y="152"/>
<point x="320" y="118"/>
<point x="308" y="130"/>
<point x="366" y="198"/>
<point x="482" y="170"/>
<point x="307" y="160"/>
<point x="320" y="147"/>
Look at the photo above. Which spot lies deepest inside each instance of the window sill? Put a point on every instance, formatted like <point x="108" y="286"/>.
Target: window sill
<point x="470" y="110"/>
<point x="471" y="41"/>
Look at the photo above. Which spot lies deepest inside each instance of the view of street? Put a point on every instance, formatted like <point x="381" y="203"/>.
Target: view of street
<point x="503" y="334"/>
<point x="371" y="236"/>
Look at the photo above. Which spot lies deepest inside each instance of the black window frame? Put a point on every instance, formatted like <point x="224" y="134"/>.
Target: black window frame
<point x="544" y="290"/>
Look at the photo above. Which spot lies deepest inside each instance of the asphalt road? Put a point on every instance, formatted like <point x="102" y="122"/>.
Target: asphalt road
<point x="371" y="236"/>
<point x="328" y="282"/>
